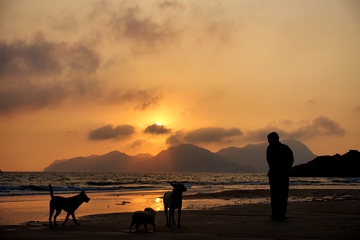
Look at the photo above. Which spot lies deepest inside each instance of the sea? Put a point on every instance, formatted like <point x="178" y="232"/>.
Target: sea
<point x="37" y="183"/>
<point x="24" y="196"/>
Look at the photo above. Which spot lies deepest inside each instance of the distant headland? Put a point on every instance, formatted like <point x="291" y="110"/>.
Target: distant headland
<point x="347" y="165"/>
<point x="191" y="158"/>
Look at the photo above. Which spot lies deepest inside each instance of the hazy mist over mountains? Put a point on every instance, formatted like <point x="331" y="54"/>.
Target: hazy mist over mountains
<point x="182" y="158"/>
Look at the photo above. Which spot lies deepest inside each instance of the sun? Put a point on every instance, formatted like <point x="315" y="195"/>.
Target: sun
<point x="158" y="123"/>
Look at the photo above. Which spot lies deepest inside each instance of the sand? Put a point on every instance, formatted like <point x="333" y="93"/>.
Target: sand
<point x="320" y="214"/>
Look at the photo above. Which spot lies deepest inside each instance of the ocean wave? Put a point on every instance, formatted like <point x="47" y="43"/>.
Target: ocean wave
<point x="16" y="184"/>
<point x="43" y="190"/>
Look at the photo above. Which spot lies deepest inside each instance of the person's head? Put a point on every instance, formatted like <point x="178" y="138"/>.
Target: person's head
<point x="273" y="138"/>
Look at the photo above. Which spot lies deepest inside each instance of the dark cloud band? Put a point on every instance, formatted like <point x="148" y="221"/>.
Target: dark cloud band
<point x="204" y="135"/>
<point x="157" y="129"/>
<point x="111" y="132"/>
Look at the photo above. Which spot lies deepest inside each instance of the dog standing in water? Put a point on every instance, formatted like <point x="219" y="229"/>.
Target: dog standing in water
<point x="69" y="205"/>
<point x="173" y="200"/>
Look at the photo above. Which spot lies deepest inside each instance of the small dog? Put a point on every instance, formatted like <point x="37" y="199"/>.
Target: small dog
<point x="69" y="205"/>
<point x="173" y="200"/>
<point x="143" y="218"/>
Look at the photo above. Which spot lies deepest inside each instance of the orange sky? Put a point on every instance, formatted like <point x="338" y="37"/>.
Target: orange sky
<point x="87" y="77"/>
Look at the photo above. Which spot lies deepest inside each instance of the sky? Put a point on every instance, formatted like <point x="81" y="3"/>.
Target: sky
<point x="80" y="78"/>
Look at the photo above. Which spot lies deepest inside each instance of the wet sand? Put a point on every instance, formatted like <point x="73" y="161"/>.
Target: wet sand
<point x="321" y="214"/>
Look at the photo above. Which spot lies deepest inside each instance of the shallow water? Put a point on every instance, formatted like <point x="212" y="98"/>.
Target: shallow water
<point x="21" y="209"/>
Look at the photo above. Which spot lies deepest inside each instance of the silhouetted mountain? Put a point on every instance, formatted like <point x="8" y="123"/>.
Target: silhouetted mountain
<point x="188" y="158"/>
<point x="183" y="158"/>
<point x="254" y="156"/>
<point x="347" y="165"/>
<point x="111" y="162"/>
<point x="54" y="163"/>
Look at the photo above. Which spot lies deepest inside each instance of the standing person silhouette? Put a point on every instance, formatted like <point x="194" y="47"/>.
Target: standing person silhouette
<point x="280" y="159"/>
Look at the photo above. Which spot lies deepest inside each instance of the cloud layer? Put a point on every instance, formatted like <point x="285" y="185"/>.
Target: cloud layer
<point x="39" y="73"/>
<point x="112" y="132"/>
<point x="320" y="126"/>
<point x="157" y="129"/>
<point x="205" y="135"/>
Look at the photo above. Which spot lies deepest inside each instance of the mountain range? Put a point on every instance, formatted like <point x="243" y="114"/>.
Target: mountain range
<point x="182" y="158"/>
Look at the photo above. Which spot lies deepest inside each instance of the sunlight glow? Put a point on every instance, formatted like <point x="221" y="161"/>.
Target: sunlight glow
<point x="158" y="123"/>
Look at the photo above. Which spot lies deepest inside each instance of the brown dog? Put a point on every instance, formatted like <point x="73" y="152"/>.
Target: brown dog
<point x="69" y="205"/>
<point x="173" y="200"/>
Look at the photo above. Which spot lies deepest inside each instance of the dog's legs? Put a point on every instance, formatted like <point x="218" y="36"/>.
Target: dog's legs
<point x="172" y="214"/>
<point x="179" y="216"/>
<point x="74" y="219"/>
<point x="137" y="226"/>
<point x="131" y="225"/>
<point x="58" y="211"/>
<point x="51" y="213"/>
<point x="66" y="219"/>
<point x="166" y="214"/>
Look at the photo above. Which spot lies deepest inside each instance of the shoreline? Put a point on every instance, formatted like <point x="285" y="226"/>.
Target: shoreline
<point x="17" y="211"/>
<point x="312" y="214"/>
<point x="332" y="219"/>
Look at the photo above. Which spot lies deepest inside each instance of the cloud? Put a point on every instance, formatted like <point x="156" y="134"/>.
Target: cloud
<point x="111" y="132"/>
<point x="40" y="57"/>
<point x="204" y="135"/>
<point x="320" y="126"/>
<point x="144" y="32"/>
<point x="137" y="143"/>
<point x="43" y="74"/>
<point x="212" y="134"/>
<point x="157" y="129"/>
<point x="143" y="99"/>
<point x="175" y="139"/>
<point x="260" y="135"/>
<point x="311" y="102"/>
<point x="213" y="24"/>
<point x="39" y="73"/>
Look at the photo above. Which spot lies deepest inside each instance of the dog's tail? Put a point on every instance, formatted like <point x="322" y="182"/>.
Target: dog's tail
<point x="51" y="191"/>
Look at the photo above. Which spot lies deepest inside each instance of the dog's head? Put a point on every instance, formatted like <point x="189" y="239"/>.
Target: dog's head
<point x="84" y="197"/>
<point x="178" y="187"/>
<point x="150" y="210"/>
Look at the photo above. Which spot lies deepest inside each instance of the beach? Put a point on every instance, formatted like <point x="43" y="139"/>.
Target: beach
<point x="312" y="214"/>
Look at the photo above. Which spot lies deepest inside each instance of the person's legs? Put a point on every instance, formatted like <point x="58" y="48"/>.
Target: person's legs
<point x="279" y="187"/>
<point x="284" y="194"/>
<point x="274" y="194"/>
